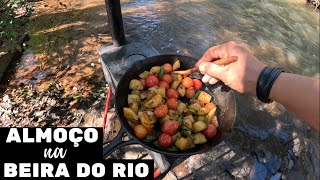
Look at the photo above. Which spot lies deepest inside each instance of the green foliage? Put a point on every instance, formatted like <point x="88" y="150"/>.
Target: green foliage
<point x="13" y="14"/>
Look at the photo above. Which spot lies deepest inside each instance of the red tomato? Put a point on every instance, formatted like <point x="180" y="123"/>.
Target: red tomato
<point x="172" y="103"/>
<point x="167" y="78"/>
<point x="164" y="85"/>
<point x="150" y="131"/>
<point x="161" y="111"/>
<point x="196" y="84"/>
<point x="210" y="131"/>
<point x="151" y="81"/>
<point x="187" y="82"/>
<point x="165" y="140"/>
<point x="172" y="93"/>
<point x="190" y="93"/>
<point x="167" y="68"/>
<point x="170" y="127"/>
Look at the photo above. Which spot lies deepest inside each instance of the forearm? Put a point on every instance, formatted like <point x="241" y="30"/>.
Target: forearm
<point x="298" y="94"/>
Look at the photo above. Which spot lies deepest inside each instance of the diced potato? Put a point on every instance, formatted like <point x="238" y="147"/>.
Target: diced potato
<point x="136" y="92"/>
<point x="161" y="91"/>
<point x="176" y="65"/>
<point x="182" y="143"/>
<point x="134" y="106"/>
<point x="199" y="138"/>
<point x="201" y="118"/>
<point x="150" y="94"/>
<point x="135" y="85"/>
<point x="181" y="108"/>
<point x="214" y="121"/>
<point x="154" y="102"/>
<point x="143" y="94"/>
<point x="181" y="90"/>
<point x="199" y="126"/>
<point x="179" y="78"/>
<point x="133" y="98"/>
<point x="187" y="121"/>
<point x="211" y="114"/>
<point x="144" y="75"/>
<point x="203" y="111"/>
<point x="176" y="136"/>
<point x="175" y="84"/>
<point x="195" y="106"/>
<point x="129" y="114"/>
<point x="204" y="97"/>
<point x="172" y="113"/>
<point x="155" y="70"/>
<point x="146" y="121"/>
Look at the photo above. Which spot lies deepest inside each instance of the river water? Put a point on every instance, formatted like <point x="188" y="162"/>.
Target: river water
<point x="281" y="33"/>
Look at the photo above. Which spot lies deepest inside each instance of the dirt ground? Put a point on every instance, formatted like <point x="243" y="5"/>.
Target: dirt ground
<point x="61" y="63"/>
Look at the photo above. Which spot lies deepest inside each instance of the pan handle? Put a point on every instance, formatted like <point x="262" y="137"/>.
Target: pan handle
<point x="117" y="143"/>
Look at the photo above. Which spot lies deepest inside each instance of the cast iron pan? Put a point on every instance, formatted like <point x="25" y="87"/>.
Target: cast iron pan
<point x="222" y="96"/>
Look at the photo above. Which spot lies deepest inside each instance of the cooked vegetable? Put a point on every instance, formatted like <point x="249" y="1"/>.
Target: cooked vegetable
<point x="144" y="75"/>
<point x="161" y="72"/>
<point x="161" y="91"/>
<point x="167" y="68"/>
<point x="164" y="85"/>
<point x="190" y="93"/>
<point x="143" y="94"/>
<point x="182" y="124"/>
<point x="167" y="78"/>
<point x="210" y="131"/>
<point x="161" y="111"/>
<point x="187" y="82"/>
<point x="199" y="138"/>
<point x="140" y="131"/>
<point x="129" y="114"/>
<point x="155" y="70"/>
<point x="146" y="121"/>
<point x="172" y="93"/>
<point x="203" y="111"/>
<point x="135" y="84"/>
<point x="176" y="136"/>
<point x="165" y="140"/>
<point x="188" y="121"/>
<point x="199" y="126"/>
<point x="210" y="105"/>
<point x="170" y="127"/>
<point x="172" y="103"/>
<point x="181" y="108"/>
<point x="151" y="81"/>
<point x="133" y="98"/>
<point x="181" y="90"/>
<point x="176" y="65"/>
<point x="154" y="101"/>
<point x="196" y="84"/>
<point x="134" y="106"/>
<point x="182" y="143"/>
<point x="204" y="97"/>
<point x="175" y="84"/>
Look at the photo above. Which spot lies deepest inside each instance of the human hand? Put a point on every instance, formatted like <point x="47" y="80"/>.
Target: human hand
<point x="241" y="75"/>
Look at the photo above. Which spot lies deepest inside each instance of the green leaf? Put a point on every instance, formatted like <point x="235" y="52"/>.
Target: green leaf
<point x="196" y="94"/>
<point x="206" y="119"/>
<point x="192" y="110"/>
<point x="149" y="138"/>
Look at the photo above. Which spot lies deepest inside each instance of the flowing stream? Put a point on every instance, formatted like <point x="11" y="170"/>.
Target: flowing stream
<point x="281" y="33"/>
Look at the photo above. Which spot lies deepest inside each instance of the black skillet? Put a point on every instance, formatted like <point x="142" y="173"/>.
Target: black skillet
<point x="222" y="96"/>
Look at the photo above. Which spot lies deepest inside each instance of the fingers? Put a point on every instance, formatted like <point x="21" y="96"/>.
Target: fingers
<point x="213" y="53"/>
<point x="213" y="81"/>
<point x="213" y="70"/>
<point x="208" y="79"/>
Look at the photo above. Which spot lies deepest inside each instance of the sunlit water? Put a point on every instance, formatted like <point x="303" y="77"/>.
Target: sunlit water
<point x="281" y="33"/>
